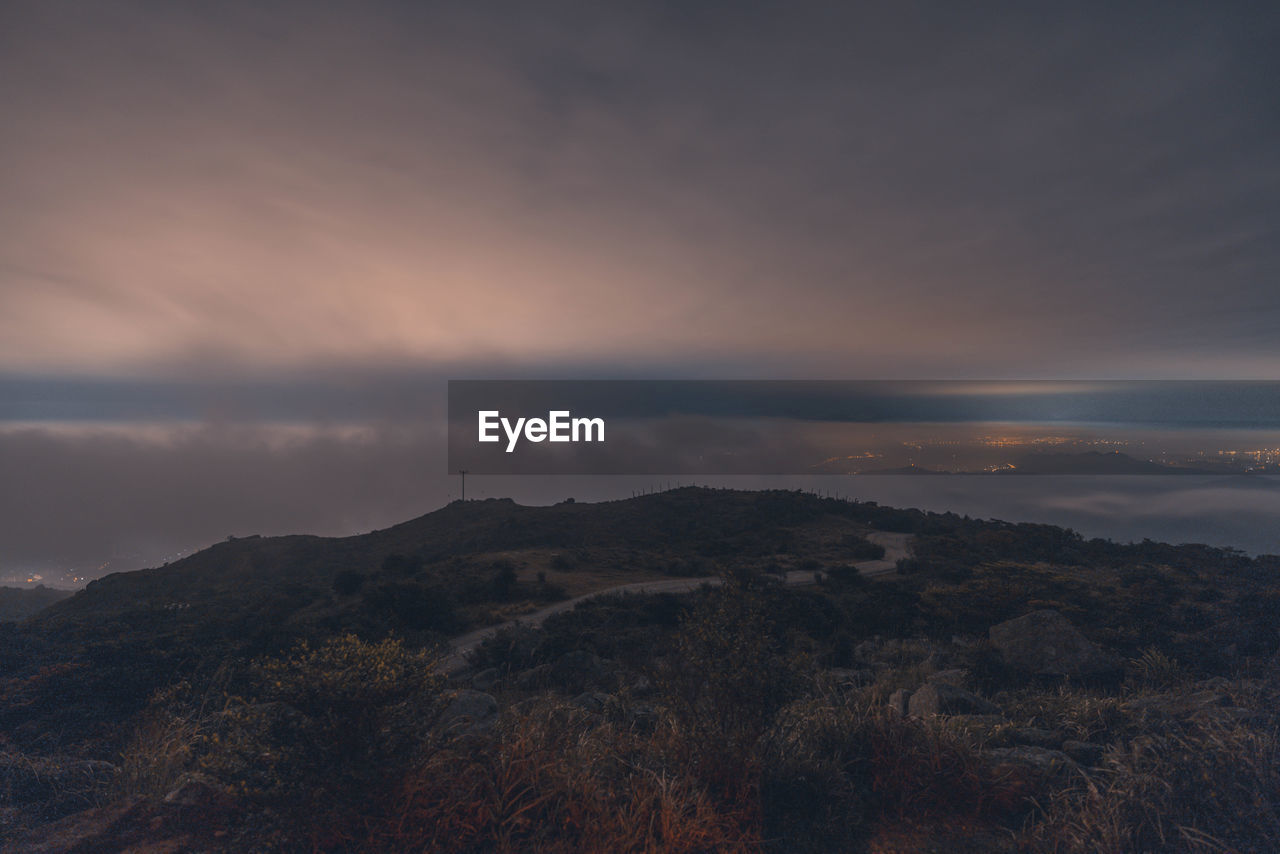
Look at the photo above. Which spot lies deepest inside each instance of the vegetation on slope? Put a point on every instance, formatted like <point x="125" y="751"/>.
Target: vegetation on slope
<point x="746" y="716"/>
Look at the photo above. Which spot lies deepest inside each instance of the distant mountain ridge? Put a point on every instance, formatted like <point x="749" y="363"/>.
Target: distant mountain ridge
<point x="18" y="603"/>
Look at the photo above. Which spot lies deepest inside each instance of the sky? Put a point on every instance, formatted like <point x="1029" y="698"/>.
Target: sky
<point x="206" y="209"/>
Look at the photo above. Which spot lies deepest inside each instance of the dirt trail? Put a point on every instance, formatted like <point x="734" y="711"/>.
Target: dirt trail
<point x="896" y="546"/>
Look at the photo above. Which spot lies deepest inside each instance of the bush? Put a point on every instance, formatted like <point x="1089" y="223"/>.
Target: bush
<point x="502" y="581"/>
<point x="726" y="678"/>
<point x="402" y="566"/>
<point x="860" y="548"/>
<point x="316" y="735"/>
<point x="408" y="605"/>
<point x="348" y="582"/>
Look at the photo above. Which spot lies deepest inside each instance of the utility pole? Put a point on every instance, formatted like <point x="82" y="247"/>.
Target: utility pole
<point x="463" y="472"/>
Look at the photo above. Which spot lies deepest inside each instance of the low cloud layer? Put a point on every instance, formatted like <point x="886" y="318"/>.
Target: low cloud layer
<point x="106" y="499"/>
<point x="79" y="499"/>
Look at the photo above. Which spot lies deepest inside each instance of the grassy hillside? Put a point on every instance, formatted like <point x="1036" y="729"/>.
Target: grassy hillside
<point x="1010" y="687"/>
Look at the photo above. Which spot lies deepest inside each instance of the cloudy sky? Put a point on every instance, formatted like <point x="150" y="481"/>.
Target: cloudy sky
<point x="206" y="208"/>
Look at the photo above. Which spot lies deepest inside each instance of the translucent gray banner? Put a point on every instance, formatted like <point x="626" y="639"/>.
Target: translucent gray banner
<point x="706" y="427"/>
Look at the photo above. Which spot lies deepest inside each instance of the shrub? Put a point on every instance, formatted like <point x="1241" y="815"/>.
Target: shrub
<point x="846" y="576"/>
<point x="408" y="605"/>
<point x="861" y="548"/>
<point x="317" y="734"/>
<point x="348" y="582"/>
<point x="402" y="566"/>
<point x="726" y="678"/>
<point x="502" y="580"/>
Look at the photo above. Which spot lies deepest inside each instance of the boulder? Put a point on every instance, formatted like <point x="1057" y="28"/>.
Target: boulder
<point x="486" y="679"/>
<point x="939" y="698"/>
<point x="1036" y="736"/>
<point x="1044" y="643"/>
<point x="954" y="676"/>
<point x="1042" y="761"/>
<point x="198" y="792"/>
<point x="534" y="678"/>
<point x="592" y="701"/>
<point x="469" y="708"/>
<point x="1084" y="752"/>
<point x="1189" y="705"/>
<point x="866" y="650"/>
<point x="899" y="702"/>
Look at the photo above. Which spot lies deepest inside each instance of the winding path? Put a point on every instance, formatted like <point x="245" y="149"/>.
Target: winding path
<point x="896" y="546"/>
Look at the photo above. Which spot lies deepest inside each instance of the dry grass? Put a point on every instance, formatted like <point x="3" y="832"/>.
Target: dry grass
<point x="1213" y="786"/>
<point x="552" y="778"/>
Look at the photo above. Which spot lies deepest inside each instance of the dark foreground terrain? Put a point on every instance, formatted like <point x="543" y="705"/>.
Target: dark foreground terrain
<point x="1007" y="688"/>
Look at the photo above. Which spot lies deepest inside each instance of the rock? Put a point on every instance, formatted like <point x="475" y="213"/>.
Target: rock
<point x="899" y="702"/>
<point x="1036" y="737"/>
<point x="866" y="650"/>
<point x="1189" y="704"/>
<point x="1084" y="752"/>
<point x="486" y="679"/>
<point x="1045" y="762"/>
<point x="592" y="701"/>
<point x="534" y="678"/>
<point x="939" y="698"/>
<point x="199" y="792"/>
<point x="469" y="707"/>
<point x="905" y="650"/>
<point x="955" y="676"/>
<point x="1045" y="643"/>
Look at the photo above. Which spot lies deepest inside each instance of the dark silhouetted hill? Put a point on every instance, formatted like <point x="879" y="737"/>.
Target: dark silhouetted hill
<point x="18" y="603"/>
